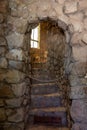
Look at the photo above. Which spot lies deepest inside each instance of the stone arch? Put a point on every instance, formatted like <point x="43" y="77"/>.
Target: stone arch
<point x="67" y="34"/>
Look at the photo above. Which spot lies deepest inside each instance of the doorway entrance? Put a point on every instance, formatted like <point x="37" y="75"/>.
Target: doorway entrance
<point x="49" y="101"/>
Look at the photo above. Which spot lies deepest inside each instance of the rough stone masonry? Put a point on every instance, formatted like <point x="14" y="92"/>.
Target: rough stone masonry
<point x="15" y="17"/>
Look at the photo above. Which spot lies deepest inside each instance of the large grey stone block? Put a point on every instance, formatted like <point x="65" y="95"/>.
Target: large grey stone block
<point x="79" y="110"/>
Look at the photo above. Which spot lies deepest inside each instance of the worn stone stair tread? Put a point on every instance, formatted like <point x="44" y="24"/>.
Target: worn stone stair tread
<point x="48" y="100"/>
<point x="42" y="127"/>
<point x="34" y="81"/>
<point x="43" y="74"/>
<point x="47" y="95"/>
<point x="50" y="109"/>
<point x="53" y="113"/>
<point x="44" y="89"/>
<point x="38" y="69"/>
<point x="42" y="84"/>
<point x="35" y="68"/>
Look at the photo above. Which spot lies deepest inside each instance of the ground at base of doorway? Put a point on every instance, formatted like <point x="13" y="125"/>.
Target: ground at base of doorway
<point x="41" y="127"/>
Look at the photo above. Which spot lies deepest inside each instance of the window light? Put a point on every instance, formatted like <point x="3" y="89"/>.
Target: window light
<point x="35" y="37"/>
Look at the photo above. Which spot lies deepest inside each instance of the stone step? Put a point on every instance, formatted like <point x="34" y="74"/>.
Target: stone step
<point x="44" y="76"/>
<point x="55" y="114"/>
<point x="50" y="109"/>
<point x="38" y="70"/>
<point x="42" y="127"/>
<point x="57" y="94"/>
<point x="38" y="65"/>
<point x="39" y="89"/>
<point x="40" y="84"/>
<point x="50" y="100"/>
<point x="41" y="76"/>
<point x="41" y="71"/>
<point x="42" y="80"/>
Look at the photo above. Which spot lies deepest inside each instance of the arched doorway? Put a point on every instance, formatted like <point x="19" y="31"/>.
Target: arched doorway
<point x="49" y="89"/>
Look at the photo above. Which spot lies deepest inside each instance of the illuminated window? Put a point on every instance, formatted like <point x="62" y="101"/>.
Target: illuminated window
<point x="35" y="37"/>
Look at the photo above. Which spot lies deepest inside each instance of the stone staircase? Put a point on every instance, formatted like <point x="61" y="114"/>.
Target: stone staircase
<point x="46" y="102"/>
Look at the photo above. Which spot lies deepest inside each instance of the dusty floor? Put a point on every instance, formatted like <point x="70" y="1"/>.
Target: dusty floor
<point x="45" y="128"/>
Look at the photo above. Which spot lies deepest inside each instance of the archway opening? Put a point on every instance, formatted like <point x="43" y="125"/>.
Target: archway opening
<point x="49" y="89"/>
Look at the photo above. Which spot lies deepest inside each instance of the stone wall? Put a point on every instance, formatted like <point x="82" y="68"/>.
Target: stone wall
<point x="71" y="16"/>
<point x="14" y="85"/>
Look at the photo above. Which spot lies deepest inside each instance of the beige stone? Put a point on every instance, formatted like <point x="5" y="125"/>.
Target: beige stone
<point x="79" y="53"/>
<point x="82" y="5"/>
<point x="61" y="1"/>
<point x="1" y="102"/>
<point x="1" y="18"/>
<point x="5" y="91"/>
<point x="14" y="12"/>
<point x="84" y="38"/>
<point x="19" y="25"/>
<point x="60" y="15"/>
<point x="10" y="111"/>
<point x="3" y="63"/>
<point x="33" y="14"/>
<point x="79" y="110"/>
<point x="78" y="26"/>
<point x="79" y="39"/>
<point x="14" y="103"/>
<point x="76" y="39"/>
<point x="58" y="10"/>
<point x="52" y="15"/>
<point x="85" y="23"/>
<point x="15" y="40"/>
<point x="16" y="54"/>
<point x="85" y="12"/>
<point x="1" y="30"/>
<point x="17" y="116"/>
<point x="67" y="38"/>
<point x="12" y="76"/>
<point x="17" y="65"/>
<point x="15" y="3"/>
<point x="79" y="68"/>
<point x="78" y="92"/>
<point x="77" y="16"/>
<point x="63" y="26"/>
<point x="24" y="12"/>
<point x="3" y="51"/>
<point x="19" y="89"/>
<point x="42" y="12"/>
<point x="70" y="6"/>
<point x="64" y="19"/>
<point x="77" y="81"/>
<point x="76" y="21"/>
<point x="21" y="11"/>
<point x="2" y="114"/>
